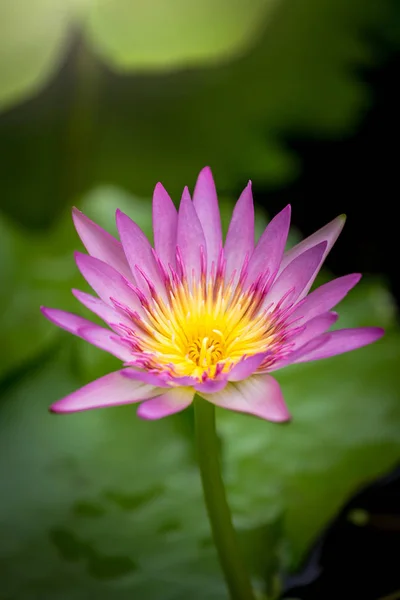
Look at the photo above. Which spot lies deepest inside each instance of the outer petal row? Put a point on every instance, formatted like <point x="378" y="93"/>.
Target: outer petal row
<point x="259" y="395"/>
<point x="331" y="343"/>
<point x="338" y="342"/>
<point x="111" y="390"/>
<point x="173" y="401"/>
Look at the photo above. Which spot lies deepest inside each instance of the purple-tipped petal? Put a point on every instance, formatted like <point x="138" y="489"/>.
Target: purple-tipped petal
<point x="268" y="253"/>
<point x="259" y="395"/>
<point x="210" y="386"/>
<point x="338" y="342"/>
<point x="326" y="297"/>
<point x="205" y="202"/>
<point x="297" y="275"/>
<point x="165" y="223"/>
<point x="246" y="367"/>
<point x="240" y="237"/>
<point x="173" y="401"/>
<point x="329" y="234"/>
<point x="111" y="390"/>
<point x="109" y="315"/>
<point x="100" y="244"/>
<point x="314" y="328"/>
<point x="190" y="237"/>
<point x="107" y="282"/>
<point x="138" y="252"/>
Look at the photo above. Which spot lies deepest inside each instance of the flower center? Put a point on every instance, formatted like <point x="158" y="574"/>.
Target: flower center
<point x="203" y="329"/>
<point x="206" y="352"/>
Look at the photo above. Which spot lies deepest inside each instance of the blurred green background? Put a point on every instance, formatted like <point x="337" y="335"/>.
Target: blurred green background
<point x="99" y="100"/>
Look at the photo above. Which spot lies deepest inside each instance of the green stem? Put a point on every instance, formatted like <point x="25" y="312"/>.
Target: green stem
<point x="224" y="535"/>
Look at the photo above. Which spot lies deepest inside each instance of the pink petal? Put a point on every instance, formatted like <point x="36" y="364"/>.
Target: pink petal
<point x="314" y="328"/>
<point x="210" y="386"/>
<point x="338" y="342"/>
<point x="184" y="381"/>
<point x="138" y="252"/>
<point x="100" y="243"/>
<point x="173" y="401"/>
<point x="298" y="275"/>
<point x="326" y="296"/>
<point x="107" y="282"/>
<point x="111" y="390"/>
<point x="106" y="340"/>
<point x="240" y="237"/>
<point x="205" y="202"/>
<point x="314" y="344"/>
<point x="246" y="367"/>
<point x="165" y="222"/>
<point x="146" y="377"/>
<point x="65" y="320"/>
<point x="110" y="315"/>
<point x="190" y="237"/>
<point x="259" y="395"/>
<point x="329" y="234"/>
<point x="268" y="253"/>
<point x="79" y="326"/>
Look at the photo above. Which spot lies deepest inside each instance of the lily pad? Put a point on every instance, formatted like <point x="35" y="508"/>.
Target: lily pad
<point x="172" y="34"/>
<point x="298" y="77"/>
<point x="33" y="38"/>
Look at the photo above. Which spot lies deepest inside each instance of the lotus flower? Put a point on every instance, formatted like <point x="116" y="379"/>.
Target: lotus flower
<point x="196" y="315"/>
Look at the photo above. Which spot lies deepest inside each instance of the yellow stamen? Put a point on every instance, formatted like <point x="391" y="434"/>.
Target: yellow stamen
<point x="205" y="327"/>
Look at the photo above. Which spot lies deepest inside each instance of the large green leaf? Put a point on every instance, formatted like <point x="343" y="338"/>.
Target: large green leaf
<point x="135" y="35"/>
<point x="299" y="76"/>
<point x="173" y="33"/>
<point x="33" y="37"/>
